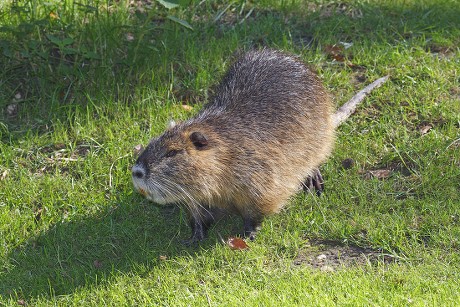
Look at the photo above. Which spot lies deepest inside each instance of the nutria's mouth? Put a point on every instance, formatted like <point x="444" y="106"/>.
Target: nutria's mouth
<point x="142" y="192"/>
<point x="155" y="195"/>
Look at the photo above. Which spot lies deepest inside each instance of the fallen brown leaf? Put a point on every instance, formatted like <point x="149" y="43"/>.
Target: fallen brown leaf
<point x="237" y="243"/>
<point x="4" y="174"/>
<point x="335" y="52"/>
<point x="425" y="129"/>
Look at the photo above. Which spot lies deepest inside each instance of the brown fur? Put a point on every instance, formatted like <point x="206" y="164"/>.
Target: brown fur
<point x="266" y="130"/>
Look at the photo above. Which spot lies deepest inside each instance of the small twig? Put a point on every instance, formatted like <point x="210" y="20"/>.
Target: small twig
<point x="247" y="15"/>
<point x="453" y="143"/>
<point x="350" y="106"/>
<point x="206" y="293"/>
<point x="65" y="159"/>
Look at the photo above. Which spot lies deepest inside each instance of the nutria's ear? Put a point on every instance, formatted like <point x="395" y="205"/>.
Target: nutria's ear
<point x="199" y="140"/>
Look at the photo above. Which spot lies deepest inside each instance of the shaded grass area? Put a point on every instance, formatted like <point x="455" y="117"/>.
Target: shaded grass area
<point x="83" y="83"/>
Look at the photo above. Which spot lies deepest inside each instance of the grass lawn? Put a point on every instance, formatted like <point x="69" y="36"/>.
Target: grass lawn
<point x="84" y="82"/>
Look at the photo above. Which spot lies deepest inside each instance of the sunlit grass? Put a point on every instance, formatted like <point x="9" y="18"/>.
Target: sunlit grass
<point x="82" y="84"/>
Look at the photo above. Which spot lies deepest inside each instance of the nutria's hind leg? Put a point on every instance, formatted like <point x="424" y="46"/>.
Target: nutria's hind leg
<point x="314" y="181"/>
<point x="251" y="227"/>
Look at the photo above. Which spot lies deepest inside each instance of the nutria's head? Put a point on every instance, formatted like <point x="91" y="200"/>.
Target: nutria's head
<point x="180" y="166"/>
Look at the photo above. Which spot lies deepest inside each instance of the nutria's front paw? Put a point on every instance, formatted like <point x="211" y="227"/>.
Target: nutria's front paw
<point x="199" y="232"/>
<point x="314" y="181"/>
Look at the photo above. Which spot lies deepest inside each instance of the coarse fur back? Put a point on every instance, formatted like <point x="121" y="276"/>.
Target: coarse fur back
<point x="276" y="120"/>
<point x="268" y="127"/>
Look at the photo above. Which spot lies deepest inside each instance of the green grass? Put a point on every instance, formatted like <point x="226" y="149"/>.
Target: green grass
<point x="80" y="87"/>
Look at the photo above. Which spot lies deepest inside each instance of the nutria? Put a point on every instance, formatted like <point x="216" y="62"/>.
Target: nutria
<point x="260" y="138"/>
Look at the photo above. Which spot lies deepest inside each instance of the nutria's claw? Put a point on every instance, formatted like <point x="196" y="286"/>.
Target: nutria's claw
<point x="251" y="227"/>
<point x="314" y="181"/>
<point x="251" y="235"/>
<point x="196" y="237"/>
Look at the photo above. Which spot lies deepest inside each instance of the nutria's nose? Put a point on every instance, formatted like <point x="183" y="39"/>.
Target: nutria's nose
<point x="138" y="172"/>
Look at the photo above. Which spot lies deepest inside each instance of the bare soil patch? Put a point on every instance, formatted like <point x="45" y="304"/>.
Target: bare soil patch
<point x="329" y="256"/>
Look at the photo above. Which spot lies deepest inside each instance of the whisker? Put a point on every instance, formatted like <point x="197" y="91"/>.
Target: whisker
<point x="188" y="200"/>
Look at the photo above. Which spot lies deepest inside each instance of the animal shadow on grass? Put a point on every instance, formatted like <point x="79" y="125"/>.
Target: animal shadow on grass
<point x="130" y="235"/>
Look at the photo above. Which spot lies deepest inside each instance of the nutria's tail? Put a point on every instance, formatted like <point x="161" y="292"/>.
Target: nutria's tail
<point x="350" y="106"/>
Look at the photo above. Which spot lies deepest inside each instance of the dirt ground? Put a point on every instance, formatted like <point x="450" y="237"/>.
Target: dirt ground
<point x="329" y="256"/>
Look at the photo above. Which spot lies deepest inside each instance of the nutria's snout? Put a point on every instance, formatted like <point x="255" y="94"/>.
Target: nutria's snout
<point x="139" y="175"/>
<point x="138" y="172"/>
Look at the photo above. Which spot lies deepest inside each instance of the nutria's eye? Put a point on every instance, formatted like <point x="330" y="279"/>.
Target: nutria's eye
<point x="172" y="153"/>
<point x="199" y="140"/>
